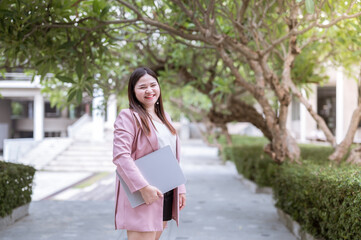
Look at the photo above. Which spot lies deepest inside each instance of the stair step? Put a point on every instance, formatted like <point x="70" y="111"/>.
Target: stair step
<point x="75" y="163"/>
<point x="81" y="168"/>
<point x="83" y="159"/>
<point x="90" y="148"/>
<point x="82" y="153"/>
<point x="84" y="156"/>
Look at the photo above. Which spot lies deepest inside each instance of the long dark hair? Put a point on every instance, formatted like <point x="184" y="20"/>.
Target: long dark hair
<point x="137" y="106"/>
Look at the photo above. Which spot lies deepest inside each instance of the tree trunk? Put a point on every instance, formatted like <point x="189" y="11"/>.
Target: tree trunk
<point x="226" y="134"/>
<point x="355" y="156"/>
<point x="343" y="147"/>
<point x="283" y="146"/>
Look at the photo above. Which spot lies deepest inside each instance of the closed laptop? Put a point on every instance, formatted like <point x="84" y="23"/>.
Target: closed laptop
<point x="161" y="169"/>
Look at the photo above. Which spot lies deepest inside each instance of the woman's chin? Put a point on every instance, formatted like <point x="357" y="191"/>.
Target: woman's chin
<point x="149" y="103"/>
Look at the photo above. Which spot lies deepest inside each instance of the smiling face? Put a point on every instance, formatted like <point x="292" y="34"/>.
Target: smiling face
<point x="147" y="91"/>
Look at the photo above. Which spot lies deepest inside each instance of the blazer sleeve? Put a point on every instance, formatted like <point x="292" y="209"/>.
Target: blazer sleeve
<point x="124" y="135"/>
<point x="181" y="188"/>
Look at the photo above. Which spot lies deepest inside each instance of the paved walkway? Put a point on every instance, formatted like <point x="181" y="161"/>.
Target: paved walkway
<point x="218" y="207"/>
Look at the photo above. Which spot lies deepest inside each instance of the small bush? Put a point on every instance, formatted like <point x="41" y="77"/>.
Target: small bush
<point x="15" y="186"/>
<point x="227" y="153"/>
<point x="315" y="153"/>
<point x="238" y="140"/>
<point x="254" y="164"/>
<point x="324" y="199"/>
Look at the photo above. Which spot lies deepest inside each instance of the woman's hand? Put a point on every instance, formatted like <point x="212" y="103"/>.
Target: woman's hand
<point x="150" y="194"/>
<point x="182" y="201"/>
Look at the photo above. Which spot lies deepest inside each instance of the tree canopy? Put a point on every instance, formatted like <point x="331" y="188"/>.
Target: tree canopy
<point x="248" y="58"/>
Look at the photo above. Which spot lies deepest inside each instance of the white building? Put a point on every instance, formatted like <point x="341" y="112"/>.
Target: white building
<point x="25" y="113"/>
<point x="335" y="102"/>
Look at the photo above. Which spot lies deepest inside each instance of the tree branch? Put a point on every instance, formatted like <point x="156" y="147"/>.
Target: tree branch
<point x="320" y="121"/>
<point x="162" y="25"/>
<point x="314" y="24"/>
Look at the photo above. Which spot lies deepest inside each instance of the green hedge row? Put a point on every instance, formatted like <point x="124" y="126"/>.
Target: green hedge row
<point x="254" y="164"/>
<point x="15" y="186"/>
<point x="323" y="197"/>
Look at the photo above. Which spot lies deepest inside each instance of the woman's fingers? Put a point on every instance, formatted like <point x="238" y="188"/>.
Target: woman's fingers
<point x="159" y="193"/>
<point x="150" y="194"/>
<point x="182" y="201"/>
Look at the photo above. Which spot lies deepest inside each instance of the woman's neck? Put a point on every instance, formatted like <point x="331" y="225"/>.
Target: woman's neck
<point x="151" y="110"/>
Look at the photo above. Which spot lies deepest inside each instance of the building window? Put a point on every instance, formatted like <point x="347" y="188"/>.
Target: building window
<point x="51" y="112"/>
<point x="21" y="109"/>
<point x="76" y="111"/>
<point x="326" y="106"/>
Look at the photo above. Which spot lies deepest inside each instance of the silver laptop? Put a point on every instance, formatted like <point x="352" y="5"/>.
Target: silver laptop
<point x="161" y="169"/>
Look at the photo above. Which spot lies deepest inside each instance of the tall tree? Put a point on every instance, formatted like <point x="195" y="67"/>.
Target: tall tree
<point x="251" y="54"/>
<point x="257" y="35"/>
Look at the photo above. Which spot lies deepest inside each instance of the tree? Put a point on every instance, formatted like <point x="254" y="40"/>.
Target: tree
<point x="67" y="39"/>
<point x="348" y="53"/>
<point x="258" y="37"/>
<point x="247" y="56"/>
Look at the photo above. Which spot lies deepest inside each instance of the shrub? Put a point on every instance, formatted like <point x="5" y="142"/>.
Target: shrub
<point x="238" y="140"/>
<point x="15" y="186"/>
<point x="324" y="199"/>
<point x="254" y="164"/>
<point x="322" y="196"/>
<point x="227" y="153"/>
<point x="315" y="153"/>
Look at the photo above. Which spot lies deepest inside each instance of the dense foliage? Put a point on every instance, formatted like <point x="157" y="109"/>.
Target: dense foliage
<point x="322" y="196"/>
<point x="16" y="182"/>
<point x="325" y="200"/>
<point x="236" y="54"/>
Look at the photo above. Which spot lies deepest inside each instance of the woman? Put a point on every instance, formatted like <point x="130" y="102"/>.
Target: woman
<point x="140" y="130"/>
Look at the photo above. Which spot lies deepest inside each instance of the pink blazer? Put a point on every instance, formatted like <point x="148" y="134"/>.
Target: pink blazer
<point x="131" y="143"/>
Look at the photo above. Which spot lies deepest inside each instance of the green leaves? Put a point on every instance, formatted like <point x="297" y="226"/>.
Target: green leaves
<point x="75" y="92"/>
<point x="105" y="10"/>
<point x="310" y="6"/>
<point x="323" y="198"/>
<point x="79" y="69"/>
<point x="71" y="94"/>
<point x="100" y="8"/>
<point x="16" y="181"/>
<point x="65" y="79"/>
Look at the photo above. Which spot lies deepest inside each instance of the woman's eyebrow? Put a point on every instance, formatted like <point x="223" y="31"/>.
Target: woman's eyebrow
<point x="144" y="84"/>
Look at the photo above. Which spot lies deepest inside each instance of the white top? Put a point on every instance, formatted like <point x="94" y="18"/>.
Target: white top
<point x="165" y="137"/>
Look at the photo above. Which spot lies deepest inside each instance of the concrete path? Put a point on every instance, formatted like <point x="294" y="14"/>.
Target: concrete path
<point x="218" y="207"/>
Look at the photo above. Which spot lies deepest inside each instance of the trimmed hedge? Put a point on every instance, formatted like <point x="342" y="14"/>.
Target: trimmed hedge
<point x="15" y="186"/>
<point x="254" y="164"/>
<point x="239" y="140"/>
<point x="324" y="198"/>
<point x="316" y="153"/>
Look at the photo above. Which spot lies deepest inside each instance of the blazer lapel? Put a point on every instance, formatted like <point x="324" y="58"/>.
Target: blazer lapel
<point x="152" y="139"/>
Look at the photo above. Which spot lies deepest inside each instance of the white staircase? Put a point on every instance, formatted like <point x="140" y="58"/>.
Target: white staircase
<point x="85" y="155"/>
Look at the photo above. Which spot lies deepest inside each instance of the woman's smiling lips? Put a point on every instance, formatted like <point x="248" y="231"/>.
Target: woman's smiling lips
<point x="149" y="97"/>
